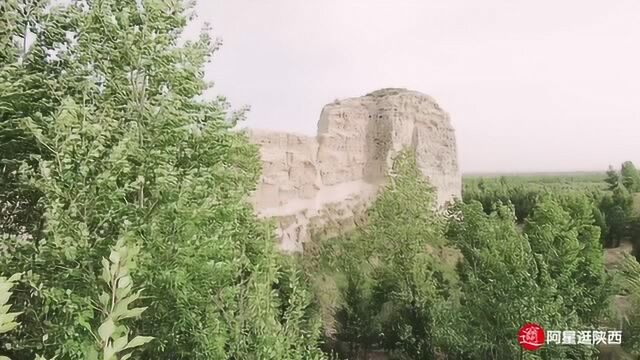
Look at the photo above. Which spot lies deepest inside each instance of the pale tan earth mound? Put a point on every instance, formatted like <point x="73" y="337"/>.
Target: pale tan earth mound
<point x="322" y="185"/>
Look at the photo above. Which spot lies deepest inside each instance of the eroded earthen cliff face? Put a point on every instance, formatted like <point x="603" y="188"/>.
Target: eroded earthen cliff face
<point x="322" y="185"/>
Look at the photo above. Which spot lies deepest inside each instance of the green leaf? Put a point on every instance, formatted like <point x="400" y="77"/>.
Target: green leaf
<point x="15" y="277"/>
<point x="138" y="341"/>
<point x="124" y="281"/>
<point x="114" y="257"/>
<point x="106" y="274"/>
<point x="6" y="327"/>
<point x="106" y="329"/>
<point x="4" y="297"/>
<point x="5" y="287"/>
<point x="109" y="353"/>
<point x="92" y="353"/>
<point x="105" y="299"/>
<point x="120" y="343"/>
<point x="133" y="313"/>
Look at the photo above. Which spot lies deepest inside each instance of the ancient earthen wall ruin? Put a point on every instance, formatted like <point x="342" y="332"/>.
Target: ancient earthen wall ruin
<point x="322" y="185"/>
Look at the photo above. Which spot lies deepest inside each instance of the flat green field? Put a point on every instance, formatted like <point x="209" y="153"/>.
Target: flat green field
<point x="548" y="177"/>
<point x="574" y="180"/>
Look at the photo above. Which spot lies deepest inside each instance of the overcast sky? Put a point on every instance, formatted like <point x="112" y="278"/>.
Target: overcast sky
<point x="530" y="85"/>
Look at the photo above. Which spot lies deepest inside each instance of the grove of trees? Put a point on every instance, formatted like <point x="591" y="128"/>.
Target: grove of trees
<point x="612" y="199"/>
<point x="461" y="286"/>
<point x="104" y="143"/>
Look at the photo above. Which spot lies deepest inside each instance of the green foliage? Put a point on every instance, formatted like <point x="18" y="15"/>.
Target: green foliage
<point x="617" y="209"/>
<point x="7" y="319"/>
<point x="612" y="209"/>
<point x="24" y="80"/>
<point x="107" y="140"/>
<point x="398" y="289"/>
<point x="562" y="231"/>
<point x="403" y="227"/>
<point x="575" y="180"/>
<point x="600" y="221"/>
<point x="103" y="140"/>
<point x="634" y="230"/>
<point x="613" y="178"/>
<point x="630" y="269"/>
<point x="499" y="272"/>
<point x="392" y="286"/>
<point x="490" y="193"/>
<point x="630" y="177"/>
<point x="355" y="317"/>
<point x="551" y="274"/>
<point x="113" y="338"/>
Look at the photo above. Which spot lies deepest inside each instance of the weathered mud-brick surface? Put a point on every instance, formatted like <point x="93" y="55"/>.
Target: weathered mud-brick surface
<point x="321" y="185"/>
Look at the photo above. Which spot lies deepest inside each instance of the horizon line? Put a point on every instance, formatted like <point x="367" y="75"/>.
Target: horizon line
<point x="532" y="172"/>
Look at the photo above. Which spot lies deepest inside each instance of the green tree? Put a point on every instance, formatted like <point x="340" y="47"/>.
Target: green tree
<point x="618" y="210"/>
<point x="613" y="178"/>
<point x="523" y="197"/>
<point x="393" y="287"/>
<point x="552" y="274"/>
<point x="403" y="227"/>
<point x="635" y="234"/>
<point x="128" y="151"/>
<point x="630" y="177"/>
<point x="630" y="270"/>
<point x="601" y="221"/>
<point x="562" y="230"/>
<point x="25" y="91"/>
<point x="356" y="315"/>
<point x="498" y="272"/>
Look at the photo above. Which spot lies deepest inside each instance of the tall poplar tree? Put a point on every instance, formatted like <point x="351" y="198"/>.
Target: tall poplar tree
<point x="121" y="149"/>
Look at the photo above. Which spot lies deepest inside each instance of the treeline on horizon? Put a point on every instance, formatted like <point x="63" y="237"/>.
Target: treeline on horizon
<point x="612" y="195"/>
<point x="126" y="232"/>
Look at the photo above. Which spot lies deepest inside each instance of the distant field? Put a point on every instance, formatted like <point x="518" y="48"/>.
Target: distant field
<point x="546" y="177"/>
<point x="541" y="178"/>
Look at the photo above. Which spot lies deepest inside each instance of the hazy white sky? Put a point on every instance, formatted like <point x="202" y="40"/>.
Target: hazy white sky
<point x="530" y="85"/>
